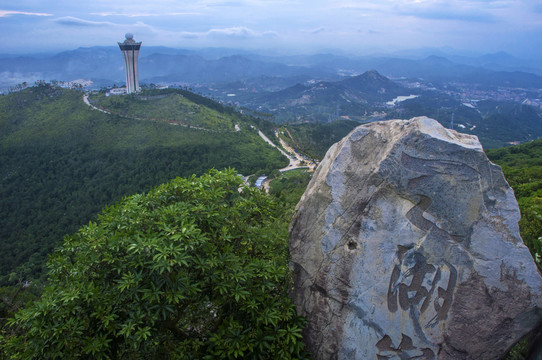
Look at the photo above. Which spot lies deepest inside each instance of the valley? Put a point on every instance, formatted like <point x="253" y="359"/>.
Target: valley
<point x="65" y="153"/>
<point x="498" y="116"/>
<point x="264" y="180"/>
<point x="178" y="132"/>
<point x="110" y="146"/>
<point x="61" y="162"/>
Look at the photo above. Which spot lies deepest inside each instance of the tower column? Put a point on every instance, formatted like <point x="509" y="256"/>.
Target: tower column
<point x="130" y="50"/>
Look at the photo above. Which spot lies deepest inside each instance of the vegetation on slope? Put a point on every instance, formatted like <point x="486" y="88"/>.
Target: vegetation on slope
<point x="57" y="154"/>
<point x="172" y="105"/>
<point x="288" y="188"/>
<point x="61" y="162"/>
<point x="361" y="98"/>
<point x="315" y="139"/>
<point x="195" y="269"/>
<point x="522" y="167"/>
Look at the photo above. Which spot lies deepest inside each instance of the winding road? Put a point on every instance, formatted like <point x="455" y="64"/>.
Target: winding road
<point x="290" y="153"/>
<point x="85" y="99"/>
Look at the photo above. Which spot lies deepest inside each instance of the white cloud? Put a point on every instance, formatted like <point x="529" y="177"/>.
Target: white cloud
<point x="476" y="24"/>
<point x="237" y="32"/>
<point x="5" y="13"/>
<point x="142" y="14"/>
<point x="158" y="35"/>
<point x="458" y="10"/>
<point x="73" y="21"/>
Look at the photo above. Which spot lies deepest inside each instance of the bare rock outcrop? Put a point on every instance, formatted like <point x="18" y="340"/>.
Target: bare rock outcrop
<point x="406" y="245"/>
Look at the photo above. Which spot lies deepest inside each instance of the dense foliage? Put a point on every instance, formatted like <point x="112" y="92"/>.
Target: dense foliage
<point x="61" y="162"/>
<point x="315" y="139"/>
<point x="522" y="167"/>
<point x="195" y="269"/>
<point x="288" y="189"/>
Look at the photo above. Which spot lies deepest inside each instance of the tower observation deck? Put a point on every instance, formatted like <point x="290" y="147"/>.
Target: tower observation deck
<point x="130" y="50"/>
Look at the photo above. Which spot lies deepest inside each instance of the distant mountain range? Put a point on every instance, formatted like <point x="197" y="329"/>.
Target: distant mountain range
<point x="318" y="88"/>
<point x="357" y="91"/>
<point x="372" y="96"/>
<point x="104" y="66"/>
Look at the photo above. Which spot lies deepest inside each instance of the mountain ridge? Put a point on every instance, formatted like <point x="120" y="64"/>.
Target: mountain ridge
<point x="226" y="65"/>
<point x="61" y="162"/>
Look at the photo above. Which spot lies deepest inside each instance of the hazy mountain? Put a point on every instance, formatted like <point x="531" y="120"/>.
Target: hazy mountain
<point x="196" y="69"/>
<point x="105" y="66"/>
<point x="373" y="86"/>
<point x="356" y="97"/>
<point x="96" y="63"/>
<point x="440" y="69"/>
<point x="417" y="64"/>
<point x="499" y="61"/>
<point x="155" y="64"/>
<point x="259" y="84"/>
<point x="370" y="87"/>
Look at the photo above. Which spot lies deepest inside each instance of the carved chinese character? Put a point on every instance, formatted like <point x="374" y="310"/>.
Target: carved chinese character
<point x="405" y="350"/>
<point x="411" y="294"/>
<point x="446" y="295"/>
<point x="413" y="266"/>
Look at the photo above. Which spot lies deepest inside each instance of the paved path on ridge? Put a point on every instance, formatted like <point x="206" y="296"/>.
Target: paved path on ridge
<point x="295" y="163"/>
<point x="85" y="99"/>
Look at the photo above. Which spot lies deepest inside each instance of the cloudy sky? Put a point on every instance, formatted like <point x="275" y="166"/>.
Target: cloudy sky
<point x="298" y="26"/>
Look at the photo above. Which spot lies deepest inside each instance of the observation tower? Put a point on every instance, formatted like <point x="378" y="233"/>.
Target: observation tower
<point x="130" y="50"/>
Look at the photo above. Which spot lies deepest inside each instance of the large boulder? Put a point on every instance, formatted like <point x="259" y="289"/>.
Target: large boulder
<point x="406" y="245"/>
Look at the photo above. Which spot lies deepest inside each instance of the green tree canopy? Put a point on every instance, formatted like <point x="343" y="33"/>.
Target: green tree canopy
<point x="195" y="269"/>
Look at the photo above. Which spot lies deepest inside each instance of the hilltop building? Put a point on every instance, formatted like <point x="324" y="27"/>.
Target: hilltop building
<point x="130" y="50"/>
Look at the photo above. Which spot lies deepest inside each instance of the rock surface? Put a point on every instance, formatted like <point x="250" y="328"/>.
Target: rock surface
<point x="406" y="245"/>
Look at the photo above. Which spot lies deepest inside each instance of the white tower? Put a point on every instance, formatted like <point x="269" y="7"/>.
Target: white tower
<point x="130" y="50"/>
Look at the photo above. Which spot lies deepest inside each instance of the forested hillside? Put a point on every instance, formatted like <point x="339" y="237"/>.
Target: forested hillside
<point x="175" y="106"/>
<point x="61" y="162"/>
<point x="195" y="269"/>
<point x="522" y="167"/>
<point x="315" y="139"/>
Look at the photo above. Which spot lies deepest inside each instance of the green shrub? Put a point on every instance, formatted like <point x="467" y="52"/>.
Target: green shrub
<point x="195" y="269"/>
